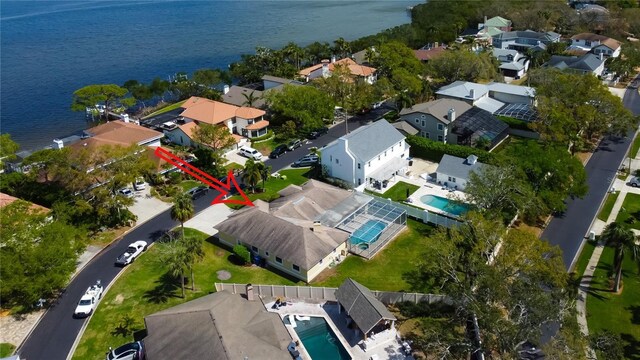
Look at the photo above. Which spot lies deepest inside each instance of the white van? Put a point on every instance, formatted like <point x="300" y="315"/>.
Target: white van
<point x="251" y="153"/>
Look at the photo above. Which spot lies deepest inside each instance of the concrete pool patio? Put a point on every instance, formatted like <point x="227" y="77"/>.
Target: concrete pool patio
<point x="384" y="345"/>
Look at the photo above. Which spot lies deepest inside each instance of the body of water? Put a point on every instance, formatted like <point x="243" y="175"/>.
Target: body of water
<point x="49" y="49"/>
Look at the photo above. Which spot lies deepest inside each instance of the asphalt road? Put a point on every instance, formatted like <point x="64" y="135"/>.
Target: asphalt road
<point x="54" y="335"/>
<point x="569" y="230"/>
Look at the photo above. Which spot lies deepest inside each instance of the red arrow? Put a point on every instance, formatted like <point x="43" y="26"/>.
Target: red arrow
<point x="223" y="188"/>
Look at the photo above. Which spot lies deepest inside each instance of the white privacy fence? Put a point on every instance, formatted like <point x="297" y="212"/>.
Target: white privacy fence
<point x="325" y="293"/>
<point x="423" y="215"/>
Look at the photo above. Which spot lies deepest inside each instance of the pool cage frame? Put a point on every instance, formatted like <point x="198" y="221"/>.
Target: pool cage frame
<point x="394" y="218"/>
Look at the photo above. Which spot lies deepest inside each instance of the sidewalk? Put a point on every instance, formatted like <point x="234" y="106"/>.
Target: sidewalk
<point x="15" y="329"/>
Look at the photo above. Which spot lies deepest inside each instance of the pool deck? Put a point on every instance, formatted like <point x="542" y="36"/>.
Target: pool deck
<point x="385" y="345"/>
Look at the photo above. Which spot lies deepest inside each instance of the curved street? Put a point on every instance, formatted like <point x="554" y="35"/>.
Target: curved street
<point x="568" y="231"/>
<point x="54" y="335"/>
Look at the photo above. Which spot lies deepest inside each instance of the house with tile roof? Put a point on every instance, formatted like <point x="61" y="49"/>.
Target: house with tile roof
<point x="244" y="120"/>
<point x="597" y="44"/>
<point x="6" y="199"/>
<point x="427" y="53"/>
<point x="490" y="97"/>
<point x="218" y="326"/>
<point x="524" y="40"/>
<point x="585" y="64"/>
<point x="454" y="172"/>
<point x="370" y="154"/>
<point x="326" y="67"/>
<point x="455" y="122"/>
<point x="116" y="132"/>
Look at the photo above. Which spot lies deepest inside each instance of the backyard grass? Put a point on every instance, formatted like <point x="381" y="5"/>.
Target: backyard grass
<point x="630" y="212"/>
<point x="273" y="185"/>
<point x="265" y="147"/>
<point x="187" y="185"/>
<point x="6" y="349"/>
<point x="145" y="288"/>
<point x="608" y="205"/>
<point x="618" y="313"/>
<point x="635" y="146"/>
<point x="233" y="166"/>
<point x="398" y="192"/>
<point x="385" y="270"/>
<point x="166" y="109"/>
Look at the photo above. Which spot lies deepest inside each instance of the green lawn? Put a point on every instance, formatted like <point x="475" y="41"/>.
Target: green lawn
<point x="583" y="260"/>
<point x="398" y="192"/>
<point x="166" y="109"/>
<point x="265" y="147"/>
<point x="233" y="166"/>
<point x="6" y="350"/>
<point x="273" y="185"/>
<point x="608" y="205"/>
<point x="145" y="288"/>
<point x="635" y="146"/>
<point x="617" y="313"/>
<point x="385" y="270"/>
<point x="187" y="185"/>
<point x="630" y="212"/>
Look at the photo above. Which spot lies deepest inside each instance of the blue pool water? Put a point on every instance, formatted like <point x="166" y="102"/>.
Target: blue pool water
<point x="320" y="341"/>
<point x="368" y="233"/>
<point x="444" y="204"/>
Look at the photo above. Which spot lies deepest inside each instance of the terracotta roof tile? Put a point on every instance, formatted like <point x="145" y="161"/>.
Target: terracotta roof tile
<point x="246" y="112"/>
<point x="117" y="133"/>
<point x="208" y="111"/>
<point x="258" y="125"/>
<point x="6" y="199"/>
<point x="426" y="55"/>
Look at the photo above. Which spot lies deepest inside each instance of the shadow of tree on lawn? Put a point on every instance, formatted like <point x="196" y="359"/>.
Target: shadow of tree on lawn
<point x="164" y="290"/>
<point x="632" y="347"/>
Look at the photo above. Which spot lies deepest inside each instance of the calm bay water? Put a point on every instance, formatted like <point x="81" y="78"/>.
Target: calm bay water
<point x="51" y="48"/>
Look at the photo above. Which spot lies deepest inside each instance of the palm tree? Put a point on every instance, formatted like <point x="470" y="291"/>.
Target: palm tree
<point x="194" y="252"/>
<point x="251" y="174"/>
<point x="250" y="99"/>
<point x="295" y="53"/>
<point x="622" y="239"/>
<point x="342" y="47"/>
<point x="174" y="256"/>
<point x="264" y="170"/>
<point x="182" y="209"/>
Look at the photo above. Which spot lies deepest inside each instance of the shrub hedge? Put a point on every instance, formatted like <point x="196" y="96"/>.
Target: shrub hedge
<point x="433" y="150"/>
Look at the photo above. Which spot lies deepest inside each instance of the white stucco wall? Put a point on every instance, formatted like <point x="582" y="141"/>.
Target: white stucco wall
<point x="444" y="178"/>
<point x="339" y="161"/>
<point x="177" y="136"/>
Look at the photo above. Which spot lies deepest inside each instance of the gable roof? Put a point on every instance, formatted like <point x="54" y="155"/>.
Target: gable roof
<point x="208" y="111"/>
<point x="461" y="89"/>
<point x="428" y="54"/>
<point x="545" y="37"/>
<point x="613" y="44"/>
<point x="439" y="109"/>
<point x="217" y="326"/>
<point x="361" y="305"/>
<point x="405" y="128"/>
<point x="6" y="199"/>
<point x="354" y="68"/>
<point x="587" y="62"/>
<point x="117" y="132"/>
<point x="457" y="167"/>
<point x="235" y="96"/>
<point x="369" y="141"/>
<point x="247" y="112"/>
<point x="497" y="21"/>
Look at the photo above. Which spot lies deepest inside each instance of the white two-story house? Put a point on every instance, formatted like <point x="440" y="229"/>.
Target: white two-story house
<point x="597" y="44"/>
<point x="371" y="154"/>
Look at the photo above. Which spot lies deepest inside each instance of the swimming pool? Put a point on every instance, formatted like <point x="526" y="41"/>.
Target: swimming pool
<point x="319" y="340"/>
<point x="368" y="232"/>
<point x="444" y="204"/>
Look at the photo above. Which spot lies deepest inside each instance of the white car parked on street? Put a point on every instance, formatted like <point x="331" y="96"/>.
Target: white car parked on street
<point x="133" y="251"/>
<point x="89" y="300"/>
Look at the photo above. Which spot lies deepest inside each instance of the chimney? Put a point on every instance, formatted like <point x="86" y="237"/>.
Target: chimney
<point x="472" y="93"/>
<point x="451" y="115"/>
<point x="485" y="21"/>
<point x="125" y="117"/>
<point x="435" y="44"/>
<point x="249" y="289"/>
<point x="601" y="56"/>
<point x="58" y="144"/>
<point x="333" y="59"/>
<point x="325" y="68"/>
<point x="316" y="227"/>
<point x="472" y="159"/>
<point x="225" y="89"/>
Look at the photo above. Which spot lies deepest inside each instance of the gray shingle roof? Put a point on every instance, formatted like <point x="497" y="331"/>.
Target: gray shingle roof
<point x="405" y="128"/>
<point x="457" y="167"/>
<point x="361" y="305"/>
<point x="438" y="109"/>
<point x="219" y="326"/>
<point x="235" y="96"/>
<point x="369" y="141"/>
<point x="545" y="37"/>
<point x="587" y="62"/>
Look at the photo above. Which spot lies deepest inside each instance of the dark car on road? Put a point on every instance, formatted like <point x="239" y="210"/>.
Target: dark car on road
<point x="198" y="192"/>
<point x="278" y="151"/>
<point x="319" y="132"/>
<point x="294" y="144"/>
<point x="308" y="160"/>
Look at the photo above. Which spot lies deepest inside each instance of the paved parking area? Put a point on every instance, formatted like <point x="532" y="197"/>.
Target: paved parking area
<point x="210" y="217"/>
<point x="147" y="206"/>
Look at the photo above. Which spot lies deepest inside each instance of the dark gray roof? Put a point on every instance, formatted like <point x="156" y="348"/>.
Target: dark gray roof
<point x="545" y="37"/>
<point x="439" y="109"/>
<point x="369" y="141"/>
<point x="281" y="80"/>
<point x="405" y="128"/>
<point x="587" y="62"/>
<point x="457" y="167"/>
<point x="361" y="305"/>
<point x="217" y="326"/>
<point x="478" y="123"/>
<point x="235" y="96"/>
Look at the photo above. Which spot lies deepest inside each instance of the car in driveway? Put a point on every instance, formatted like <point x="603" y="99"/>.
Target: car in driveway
<point x="308" y="160"/>
<point x="133" y="251"/>
<point x="126" y="192"/>
<point x="318" y="132"/>
<point x="139" y="184"/>
<point x="251" y="153"/>
<point x="278" y="151"/>
<point x="294" y="144"/>
<point x="635" y="181"/>
<point x="130" y="351"/>
<point x="198" y="192"/>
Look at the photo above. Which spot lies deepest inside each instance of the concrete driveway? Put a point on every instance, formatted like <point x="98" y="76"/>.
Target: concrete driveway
<point x="208" y="218"/>
<point x="147" y="206"/>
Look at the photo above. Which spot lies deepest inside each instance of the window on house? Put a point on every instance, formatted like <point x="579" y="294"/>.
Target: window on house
<point x="337" y="161"/>
<point x="440" y="127"/>
<point x="320" y="262"/>
<point x="233" y="121"/>
<point x="385" y="154"/>
<point x="424" y="123"/>
<point x="423" y="133"/>
<point x="369" y="163"/>
<point x="449" y="178"/>
<point x="266" y="253"/>
<point x="428" y="136"/>
<point x="358" y="165"/>
<point x="359" y="181"/>
<point x="295" y="267"/>
<point x="453" y="179"/>
<point x="417" y="120"/>
<point x="255" y="249"/>
<point x="587" y="43"/>
<point x="330" y="158"/>
<point x="440" y="138"/>
<point x="378" y="157"/>
<point x="278" y="260"/>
